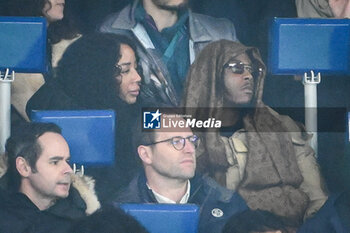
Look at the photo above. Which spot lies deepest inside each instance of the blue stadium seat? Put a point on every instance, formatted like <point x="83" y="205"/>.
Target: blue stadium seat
<point x="309" y="46"/>
<point x="348" y="134"/>
<point x="165" y="218"/>
<point x="347" y="143"/>
<point x="23" y="44"/>
<point x="22" y="49"/>
<point x="299" y="45"/>
<point x="89" y="133"/>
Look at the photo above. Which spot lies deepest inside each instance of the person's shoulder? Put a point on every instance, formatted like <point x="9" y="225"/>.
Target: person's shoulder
<point x="216" y="28"/>
<point x="211" y="22"/>
<point x="217" y="191"/>
<point x="117" y="19"/>
<point x="296" y="129"/>
<point x="109" y="19"/>
<point x="131" y="193"/>
<point x="208" y="18"/>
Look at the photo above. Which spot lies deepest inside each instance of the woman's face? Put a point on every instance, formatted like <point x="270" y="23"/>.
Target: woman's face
<point x="129" y="79"/>
<point x="53" y="10"/>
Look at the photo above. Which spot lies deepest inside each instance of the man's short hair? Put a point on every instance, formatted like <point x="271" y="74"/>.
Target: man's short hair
<point x="143" y="137"/>
<point x="24" y="142"/>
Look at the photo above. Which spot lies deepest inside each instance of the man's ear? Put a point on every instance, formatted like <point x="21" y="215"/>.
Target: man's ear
<point x="23" y="167"/>
<point x="145" y="154"/>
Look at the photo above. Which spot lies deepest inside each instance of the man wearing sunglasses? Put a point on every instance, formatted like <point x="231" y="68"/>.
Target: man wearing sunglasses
<point x="263" y="155"/>
<point x="169" y="161"/>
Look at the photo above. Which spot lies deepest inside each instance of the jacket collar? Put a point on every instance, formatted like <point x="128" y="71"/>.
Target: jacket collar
<point x="85" y="187"/>
<point x="70" y="208"/>
<point x="82" y="189"/>
<point x="146" y="194"/>
<point x="198" y="33"/>
<point x="126" y="20"/>
<point x="201" y="187"/>
<point x="201" y="184"/>
<point x="126" y="17"/>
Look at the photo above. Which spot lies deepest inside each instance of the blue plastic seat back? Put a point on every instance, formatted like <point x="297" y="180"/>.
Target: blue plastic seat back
<point x="348" y="127"/>
<point x="299" y="45"/>
<point x="90" y="134"/>
<point x="23" y="44"/>
<point x="165" y="218"/>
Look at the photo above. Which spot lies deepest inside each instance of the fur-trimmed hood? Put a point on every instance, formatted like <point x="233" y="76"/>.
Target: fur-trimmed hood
<point x="85" y="186"/>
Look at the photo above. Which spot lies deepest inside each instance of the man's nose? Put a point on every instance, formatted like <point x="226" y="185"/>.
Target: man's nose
<point x="189" y="147"/>
<point x="67" y="168"/>
<point x="247" y="75"/>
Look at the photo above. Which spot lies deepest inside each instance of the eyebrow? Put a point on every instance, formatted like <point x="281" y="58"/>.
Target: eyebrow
<point x="125" y="64"/>
<point x="57" y="158"/>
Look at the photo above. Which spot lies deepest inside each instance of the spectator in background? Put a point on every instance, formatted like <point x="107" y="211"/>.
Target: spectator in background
<point x="169" y="36"/>
<point x="169" y="162"/>
<point x="42" y="194"/>
<point x="252" y="20"/>
<point x="61" y="31"/>
<point x="261" y="154"/>
<point x="323" y="8"/>
<point x="99" y="71"/>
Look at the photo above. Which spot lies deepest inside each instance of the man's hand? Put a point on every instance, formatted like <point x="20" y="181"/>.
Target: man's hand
<point x="340" y="8"/>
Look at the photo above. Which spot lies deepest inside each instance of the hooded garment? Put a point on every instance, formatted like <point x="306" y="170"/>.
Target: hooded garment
<point x="271" y="178"/>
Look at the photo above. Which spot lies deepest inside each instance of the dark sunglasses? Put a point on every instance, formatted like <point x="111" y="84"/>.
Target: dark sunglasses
<point x="240" y="67"/>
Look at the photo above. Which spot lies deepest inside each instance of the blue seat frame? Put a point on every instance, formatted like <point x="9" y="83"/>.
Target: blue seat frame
<point x="89" y="133"/>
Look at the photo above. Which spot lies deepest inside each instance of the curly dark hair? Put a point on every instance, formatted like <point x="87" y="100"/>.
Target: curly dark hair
<point x="63" y="29"/>
<point x="87" y="70"/>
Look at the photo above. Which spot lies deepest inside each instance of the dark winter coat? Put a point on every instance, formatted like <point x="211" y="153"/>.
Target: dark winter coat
<point x="205" y="193"/>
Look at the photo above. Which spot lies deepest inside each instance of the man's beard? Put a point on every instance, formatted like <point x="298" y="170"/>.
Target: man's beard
<point x="164" y="5"/>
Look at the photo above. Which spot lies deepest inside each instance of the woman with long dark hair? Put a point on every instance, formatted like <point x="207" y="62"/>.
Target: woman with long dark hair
<point x="99" y="71"/>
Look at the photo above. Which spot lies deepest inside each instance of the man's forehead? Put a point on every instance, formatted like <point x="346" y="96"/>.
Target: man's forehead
<point x="54" y="144"/>
<point x="51" y="137"/>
